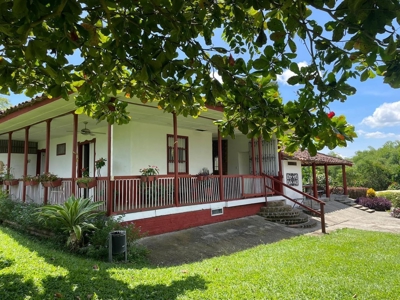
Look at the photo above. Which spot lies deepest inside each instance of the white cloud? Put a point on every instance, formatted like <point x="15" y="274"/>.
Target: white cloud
<point x="216" y="76"/>
<point x="377" y="135"/>
<point x="386" y="115"/>
<point x="287" y="73"/>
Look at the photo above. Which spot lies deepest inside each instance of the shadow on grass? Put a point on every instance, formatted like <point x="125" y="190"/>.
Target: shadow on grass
<point x="83" y="281"/>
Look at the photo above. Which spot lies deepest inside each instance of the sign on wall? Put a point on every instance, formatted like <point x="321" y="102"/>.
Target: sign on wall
<point x="292" y="179"/>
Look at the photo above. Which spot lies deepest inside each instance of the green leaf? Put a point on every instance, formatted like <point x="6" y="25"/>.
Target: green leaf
<point x="294" y="80"/>
<point x="292" y="45"/>
<point x="364" y="76"/>
<point x="260" y="64"/>
<point x="20" y="8"/>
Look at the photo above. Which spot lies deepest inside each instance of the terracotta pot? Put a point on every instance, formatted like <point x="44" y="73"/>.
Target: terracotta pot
<point x="54" y="183"/>
<point x="148" y="178"/>
<point x="31" y="183"/>
<point x="89" y="185"/>
<point x="11" y="182"/>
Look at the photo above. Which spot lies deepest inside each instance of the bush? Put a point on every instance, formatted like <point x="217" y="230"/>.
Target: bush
<point x="393" y="197"/>
<point x="377" y="203"/>
<point x="371" y="193"/>
<point x="356" y="192"/>
<point x="394" y="186"/>
<point x="96" y="242"/>
<point x="396" y="213"/>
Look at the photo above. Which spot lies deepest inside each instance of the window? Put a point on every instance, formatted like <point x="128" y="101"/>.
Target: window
<point x="182" y="154"/>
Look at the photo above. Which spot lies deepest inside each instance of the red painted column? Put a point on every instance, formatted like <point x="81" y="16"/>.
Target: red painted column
<point x="9" y="153"/>
<point x="344" y="180"/>
<point x="314" y="176"/>
<point x="74" y="152"/>
<point x="47" y="158"/>
<point x="253" y="159"/>
<point x="110" y="185"/>
<point x="327" y="191"/>
<point x="176" y="178"/>
<point x="259" y="156"/>
<point x="26" y="149"/>
<point x="220" y="172"/>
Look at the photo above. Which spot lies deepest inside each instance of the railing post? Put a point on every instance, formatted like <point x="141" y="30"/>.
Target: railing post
<point x="321" y="208"/>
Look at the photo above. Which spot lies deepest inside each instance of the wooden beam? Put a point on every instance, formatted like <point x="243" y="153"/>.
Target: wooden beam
<point x="74" y="152"/>
<point x="221" y="178"/>
<point x="259" y="156"/>
<point x="9" y="153"/>
<point x="26" y="150"/>
<point x="327" y="191"/>
<point x="47" y="159"/>
<point x="176" y="178"/>
<point x="110" y="179"/>
<point x="253" y="158"/>
<point x="344" y="180"/>
<point x="314" y="175"/>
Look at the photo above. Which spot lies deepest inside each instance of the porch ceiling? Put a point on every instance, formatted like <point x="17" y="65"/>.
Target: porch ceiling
<point x="62" y="120"/>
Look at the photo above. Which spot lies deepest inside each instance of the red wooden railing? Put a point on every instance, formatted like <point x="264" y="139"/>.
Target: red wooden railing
<point x="270" y="187"/>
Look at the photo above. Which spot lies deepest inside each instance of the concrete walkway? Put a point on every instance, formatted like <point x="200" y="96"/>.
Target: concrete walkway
<point x="227" y="237"/>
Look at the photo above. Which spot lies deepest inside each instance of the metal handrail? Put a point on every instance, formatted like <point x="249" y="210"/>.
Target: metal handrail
<point x="319" y="213"/>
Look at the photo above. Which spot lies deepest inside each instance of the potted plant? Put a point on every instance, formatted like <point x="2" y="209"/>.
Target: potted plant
<point x="50" y="180"/>
<point x="203" y="174"/>
<point x="101" y="162"/>
<point x="86" y="182"/>
<point x="31" y="180"/>
<point x="149" y="174"/>
<point x="8" y="177"/>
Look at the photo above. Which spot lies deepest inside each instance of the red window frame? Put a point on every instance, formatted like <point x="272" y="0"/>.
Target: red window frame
<point x="183" y="153"/>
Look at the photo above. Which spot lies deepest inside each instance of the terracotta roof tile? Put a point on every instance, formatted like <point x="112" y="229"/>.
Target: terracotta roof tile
<point x="319" y="159"/>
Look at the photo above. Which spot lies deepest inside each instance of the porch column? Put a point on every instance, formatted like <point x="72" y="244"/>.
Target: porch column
<point x="47" y="158"/>
<point x="221" y="178"/>
<point x="253" y="159"/>
<point x="344" y="180"/>
<point x="259" y="156"/>
<point x="26" y="149"/>
<point x="328" y="192"/>
<point x="110" y="183"/>
<point x="9" y="153"/>
<point x="176" y="179"/>
<point x="314" y="176"/>
<point x="74" y="152"/>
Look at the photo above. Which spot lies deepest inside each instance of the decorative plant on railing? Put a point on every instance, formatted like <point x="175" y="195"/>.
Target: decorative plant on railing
<point x="8" y="176"/>
<point x="49" y="179"/>
<point x="31" y="180"/>
<point x="203" y="174"/>
<point x="85" y="181"/>
<point x="101" y="162"/>
<point x="149" y="174"/>
<point x="72" y="217"/>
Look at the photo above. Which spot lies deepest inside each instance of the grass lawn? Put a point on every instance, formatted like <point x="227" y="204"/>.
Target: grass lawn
<point x="345" y="264"/>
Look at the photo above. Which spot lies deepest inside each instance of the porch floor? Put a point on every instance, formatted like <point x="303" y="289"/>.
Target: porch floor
<point x="196" y="244"/>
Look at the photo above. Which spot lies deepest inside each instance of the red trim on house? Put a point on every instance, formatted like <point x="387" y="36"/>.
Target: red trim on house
<point x="47" y="157"/>
<point x="344" y="179"/>
<point x="26" y="149"/>
<point x="220" y="171"/>
<point x="74" y="150"/>
<point x="176" y="172"/>
<point x="110" y="183"/>
<point x="163" y="224"/>
<point x="31" y="105"/>
<point x="260" y="155"/>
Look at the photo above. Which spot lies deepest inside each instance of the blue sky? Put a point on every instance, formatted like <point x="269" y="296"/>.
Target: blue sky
<point x="374" y="110"/>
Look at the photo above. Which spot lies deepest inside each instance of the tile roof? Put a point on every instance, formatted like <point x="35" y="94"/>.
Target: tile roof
<point x="22" y="105"/>
<point x="319" y="159"/>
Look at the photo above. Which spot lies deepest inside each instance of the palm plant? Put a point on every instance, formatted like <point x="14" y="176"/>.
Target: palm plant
<point x="72" y="217"/>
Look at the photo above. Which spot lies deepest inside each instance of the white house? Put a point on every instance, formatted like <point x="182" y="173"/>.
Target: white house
<point x="45" y="135"/>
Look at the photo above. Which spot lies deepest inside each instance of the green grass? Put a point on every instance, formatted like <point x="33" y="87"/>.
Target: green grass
<point x="335" y="266"/>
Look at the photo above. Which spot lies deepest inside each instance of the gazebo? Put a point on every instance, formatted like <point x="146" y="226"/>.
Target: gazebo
<point x="320" y="160"/>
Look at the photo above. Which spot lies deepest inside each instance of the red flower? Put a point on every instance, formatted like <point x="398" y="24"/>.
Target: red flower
<point x="330" y="114"/>
<point x="231" y="60"/>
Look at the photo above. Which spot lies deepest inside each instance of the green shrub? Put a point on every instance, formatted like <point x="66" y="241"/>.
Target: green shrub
<point x="393" y="196"/>
<point x="371" y="193"/>
<point x="394" y="186"/>
<point x="356" y="192"/>
<point x="72" y="217"/>
<point x="96" y="241"/>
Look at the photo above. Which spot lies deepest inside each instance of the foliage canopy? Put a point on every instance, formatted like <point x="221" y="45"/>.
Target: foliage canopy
<point x="166" y="51"/>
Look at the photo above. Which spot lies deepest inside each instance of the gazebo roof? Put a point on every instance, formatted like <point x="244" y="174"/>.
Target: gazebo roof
<point x="319" y="160"/>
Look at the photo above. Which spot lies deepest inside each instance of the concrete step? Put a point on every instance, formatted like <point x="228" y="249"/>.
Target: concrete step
<point x="280" y="214"/>
<point x="275" y="203"/>
<point x="270" y="209"/>
<point x="301" y="218"/>
<point x="310" y="223"/>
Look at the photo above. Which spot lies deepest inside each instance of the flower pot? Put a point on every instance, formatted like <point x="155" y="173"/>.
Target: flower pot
<point x="31" y="183"/>
<point x="54" y="183"/>
<point x="88" y="185"/>
<point x="11" y="182"/>
<point x="148" y="178"/>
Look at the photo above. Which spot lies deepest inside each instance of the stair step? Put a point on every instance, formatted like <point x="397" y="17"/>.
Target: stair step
<point x="270" y="209"/>
<point x="275" y="203"/>
<point x="310" y="223"/>
<point x="370" y="211"/>
<point x="280" y="214"/>
<point x="289" y="221"/>
<point x="357" y="206"/>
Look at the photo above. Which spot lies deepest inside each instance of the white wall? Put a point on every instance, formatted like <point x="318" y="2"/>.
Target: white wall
<point x="17" y="163"/>
<point x="292" y="169"/>
<point x="236" y="146"/>
<point x="137" y="145"/>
